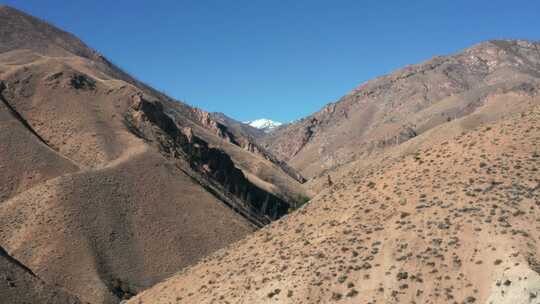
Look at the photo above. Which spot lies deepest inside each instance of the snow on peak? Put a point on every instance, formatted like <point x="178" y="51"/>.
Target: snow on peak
<point x="263" y="124"/>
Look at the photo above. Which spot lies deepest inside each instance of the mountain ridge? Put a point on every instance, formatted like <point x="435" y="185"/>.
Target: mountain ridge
<point x="442" y="210"/>
<point x="326" y="138"/>
<point x="85" y="147"/>
<point x="424" y="185"/>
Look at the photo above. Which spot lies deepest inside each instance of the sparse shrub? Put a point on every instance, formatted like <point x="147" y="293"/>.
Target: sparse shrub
<point x="352" y="293"/>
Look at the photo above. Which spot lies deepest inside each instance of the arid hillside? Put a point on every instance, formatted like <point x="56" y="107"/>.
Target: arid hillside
<point x="424" y="185"/>
<point x="20" y="283"/>
<point x="108" y="186"/>
<point x="389" y="110"/>
<point x="454" y="221"/>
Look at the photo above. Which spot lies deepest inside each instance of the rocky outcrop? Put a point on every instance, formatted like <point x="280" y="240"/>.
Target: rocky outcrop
<point x="206" y="120"/>
<point x="405" y="133"/>
<point x="245" y="141"/>
<point x="148" y="119"/>
<point x="297" y="137"/>
<point x="256" y="149"/>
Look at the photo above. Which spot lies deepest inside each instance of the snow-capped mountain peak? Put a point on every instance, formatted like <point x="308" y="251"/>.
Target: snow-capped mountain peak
<point x="264" y="124"/>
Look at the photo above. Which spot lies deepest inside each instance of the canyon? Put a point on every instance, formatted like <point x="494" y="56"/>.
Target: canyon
<point x="420" y="186"/>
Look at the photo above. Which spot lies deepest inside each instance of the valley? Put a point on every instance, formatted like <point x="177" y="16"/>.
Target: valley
<point x="419" y="186"/>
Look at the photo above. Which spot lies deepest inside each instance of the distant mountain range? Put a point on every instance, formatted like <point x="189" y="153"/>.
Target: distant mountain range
<point x="264" y="124"/>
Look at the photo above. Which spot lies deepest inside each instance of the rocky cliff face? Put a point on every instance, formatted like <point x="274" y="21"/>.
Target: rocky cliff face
<point x="248" y="138"/>
<point x="148" y="120"/>
<point x="225" y="128"/>
<point x="207" y="120"/>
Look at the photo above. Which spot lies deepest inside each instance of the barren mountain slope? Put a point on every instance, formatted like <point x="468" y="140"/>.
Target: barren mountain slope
<point x="456" y="222"/>
<point x="108" y="186"/>
<point x="389" y="110"/>
<point x="248" y="138"/>
<point x="20" y="285"/>
<point x="238" y="126"/>
<point x="495" y="106"/>
<point x="82" y="207"/>
<point x="24" y="159"/>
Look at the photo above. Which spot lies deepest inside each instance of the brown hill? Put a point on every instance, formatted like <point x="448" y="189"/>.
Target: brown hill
<point x="392" y="109"/>
<point x="455" y="222"/>
<point x="21" y="285"/>
<point x="108" y="186"/>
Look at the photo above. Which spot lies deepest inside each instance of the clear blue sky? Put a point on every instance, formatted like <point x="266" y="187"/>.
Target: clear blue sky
<point x="278" y="59"/>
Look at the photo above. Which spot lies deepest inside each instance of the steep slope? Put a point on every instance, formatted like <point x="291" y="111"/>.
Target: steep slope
<point x="247" y="137"/>
<point x="21" y="31"/>
<point x="389" y="110"/>
<point x="20" y="285"/>
<point x="25" y="160"/>
<point x="108" y="186"/>
<point x="237" y="126"/>
<point x="83" y="211"/>
<point x="454" y="222"/>
<point x="264" y="170"/>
